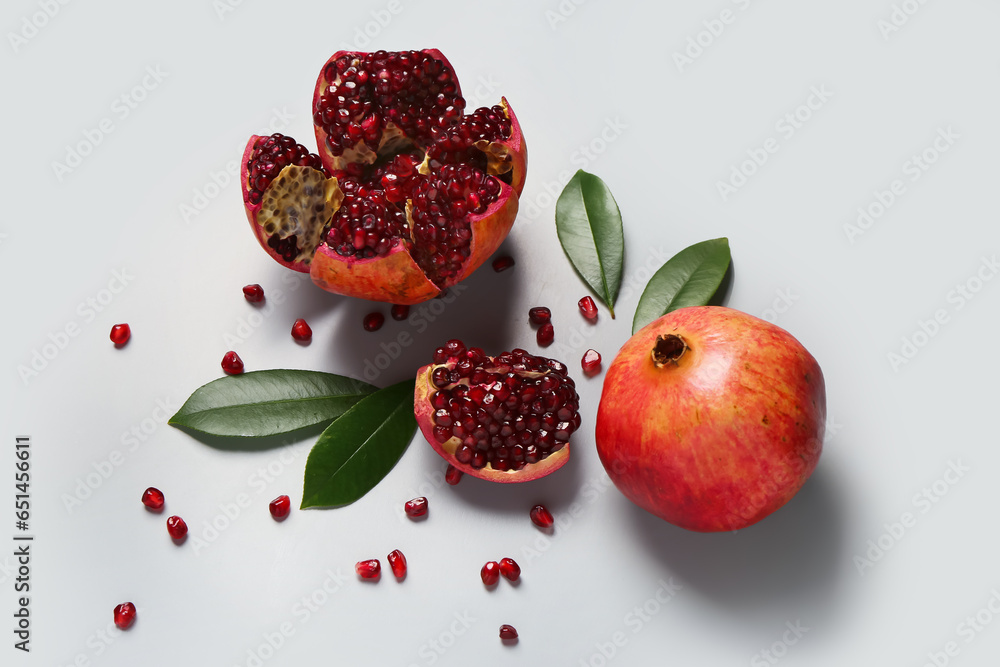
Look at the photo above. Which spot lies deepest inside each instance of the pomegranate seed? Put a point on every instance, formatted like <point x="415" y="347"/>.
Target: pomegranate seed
<point x="397" y="561"/>
<point x="280" y="508"/>
<point x="125" y="615"/>
<point x="177" y="528"/>
<point x="374" y="321"/>
<point x="507" y="632"/>
<point x="541" y="517"/>
<point x="399" y="313"/>
<point x="416" y="508"/>
<point x="510" y="569"/>
<point x="301" y="331"/>
<point x="152" y="498"/>
<point x="539" y="315"/>
<point x="546" y="333"/>
<point x="490" y="573"/>
<point x="368" y="569"/>
<point x="503" y="263"/>
<point x="591" y="362"/>
<point x="253" y="293"/>
<point x="588" y="308"/>
<point x="452" y="475"/>
<point x="232" y="364"/>
<point x="120" y="333"/>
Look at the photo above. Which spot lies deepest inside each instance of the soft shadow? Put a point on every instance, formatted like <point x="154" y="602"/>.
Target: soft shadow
<point x="788" y="563"/>
<point x="556" y="491"/>
<point x="245" y="444"/>
<point x="477" y="311"/>
<point x="721" y="296"/>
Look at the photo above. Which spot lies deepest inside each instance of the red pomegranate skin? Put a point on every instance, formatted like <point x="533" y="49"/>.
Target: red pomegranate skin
<point x="723" y="435"/>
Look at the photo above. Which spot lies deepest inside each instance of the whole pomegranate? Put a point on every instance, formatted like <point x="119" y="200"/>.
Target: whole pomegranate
<point x="711" y="418"/>
<point x="408" y="194"/>
<point x="506" y="418"/>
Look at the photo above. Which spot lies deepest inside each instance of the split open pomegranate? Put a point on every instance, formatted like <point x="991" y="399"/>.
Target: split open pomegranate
<point x="407" y="196"/>
<point x="506" y="418"/>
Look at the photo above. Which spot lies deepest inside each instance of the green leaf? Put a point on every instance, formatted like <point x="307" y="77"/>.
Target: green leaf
<point x="271" y="402"/>
<point x="355" y="452"/>
<point x="689" y="278"/>
<point x="589" y="225"/>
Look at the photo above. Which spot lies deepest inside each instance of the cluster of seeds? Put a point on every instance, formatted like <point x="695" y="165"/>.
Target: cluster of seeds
<point x="271" y="155"/>
<point x="413" y="90"/>
<point x="442" y="203"/>
<point x="457" y="143"/>
<point x="366" y="225"/>
<point x="506" y="411"/>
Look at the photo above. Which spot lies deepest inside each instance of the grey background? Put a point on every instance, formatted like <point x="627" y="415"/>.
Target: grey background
<point x="596" y="85"/>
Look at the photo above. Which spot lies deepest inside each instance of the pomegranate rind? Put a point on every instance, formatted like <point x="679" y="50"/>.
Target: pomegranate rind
<point x="394" y="278"/>
<point x="518" y="150"/>
<point x="676" y="443"/>
<point x="423" y="410"/>
<point x="332" y="199"/>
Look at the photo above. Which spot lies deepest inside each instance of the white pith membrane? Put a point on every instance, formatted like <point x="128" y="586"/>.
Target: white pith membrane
<point x="299" y="201"/>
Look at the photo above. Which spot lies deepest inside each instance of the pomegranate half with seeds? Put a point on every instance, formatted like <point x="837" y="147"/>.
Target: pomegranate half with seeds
<point x="408" y="194"/>
<point x="506" y="418"/>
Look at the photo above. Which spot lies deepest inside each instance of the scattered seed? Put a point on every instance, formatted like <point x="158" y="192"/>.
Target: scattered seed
<point x="510" y="569"/>
<point x="591" y="362"/>
<point x="301" y="331"/>
<point x="120" y="333"/>
<point x="490" y="573"/>
<point x="399" y="313"/>
<point x="416" y="508"/>
<point x="503" y="263"/>
<point x="397" y="561"/>
<point x="588" y="308"/>
<point x="453" y="475"/>
<point x="177" y="528"/>
<point x="152" y="498"/>
<point x="545" y="335"/>
<point x="374" y="321"/>
<point x="508" y="633"/>
<point x="368" y="569"/>
<point x="541" y="516"/>
<point x="125" y="615"/>
<point x="280" y="508"/>
<point x="253" y="293"/>
<point x="539" y="316"/>
<point x="232" y="364"/>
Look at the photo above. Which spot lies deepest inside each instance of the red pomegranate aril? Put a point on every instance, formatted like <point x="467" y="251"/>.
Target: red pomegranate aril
<point x="588" y="308"/>
<point x="176" y="527"/>
<point x="416" y="508"/>
<point x="280" y="508"/>
<point x="545" y="334"/>
<point x="232" y="364"/>
<point x="490" y="573"/>
<point x="507" y="632"/>
<point x="124" y="615"/>
<point x="301" y="331"/>
<point x="452" y="475"/>
<point x="253" y="293"/>
<point x="541" y="517"/>
<point x="503" y="263"/>
<point x="397" y="561"/>
<point x="120" y="333"/>
<point x="510" y="569"/>
<point x="152" y="498"/>
<point x="399" y="313"/>
<point x="539" y="315"/>
<point x="374" y="321"/>
<point x="591" y="362"/>
<point x="368" y="569"/>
